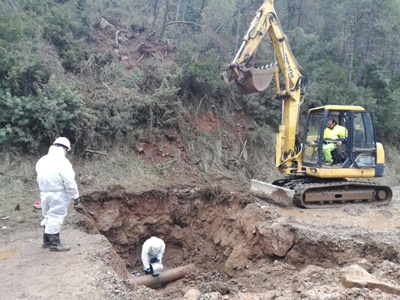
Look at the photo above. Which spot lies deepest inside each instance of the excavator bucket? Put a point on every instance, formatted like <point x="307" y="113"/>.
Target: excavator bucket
<point x="272" y="193"/>
<point x="253" y="80"/>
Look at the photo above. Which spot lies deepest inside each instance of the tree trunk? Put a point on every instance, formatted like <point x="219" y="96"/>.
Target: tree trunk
<point x="291" y="8"/>
<point x="238" y="35"/>
<point x="300" y="14"/>
<point x="397" y="61"/>
<point x="202" y="6"/>
<point x="177" y="10"/>
<point x="165" y="17"/>
<point x="13" y="5"/>
<point x="155" y="13"/>
<point x="367" y="41"/>
<point x="353" y="29"/>
<point x="351" y="55"/>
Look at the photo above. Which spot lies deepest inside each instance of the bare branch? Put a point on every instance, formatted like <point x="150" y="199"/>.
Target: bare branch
<point x="232" y="16"/>
<point x="244" y="147"/>
<point x="174" y="22"/>
<point x="107" y="87"/>
<point x="116" y="37"/>
<point x="96" y="152"/>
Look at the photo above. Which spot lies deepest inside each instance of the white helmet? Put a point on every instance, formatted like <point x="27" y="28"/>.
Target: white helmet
<point x="63" y="141"/>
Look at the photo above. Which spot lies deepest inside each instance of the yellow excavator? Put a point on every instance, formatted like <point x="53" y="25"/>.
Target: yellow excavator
<point x="309" y="181"/>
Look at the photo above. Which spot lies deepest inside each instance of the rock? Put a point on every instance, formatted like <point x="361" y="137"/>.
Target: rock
<point x="213" y="296"/>
<point x="356" y="276"/>
<point x="107" y="219"/>
<point x="276" y="239"/>
<point x="367" y="265"/>
<point x="192" y="294"/>
<point x="259" y="296"/>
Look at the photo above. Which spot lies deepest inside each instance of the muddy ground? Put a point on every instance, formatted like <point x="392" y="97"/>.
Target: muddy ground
<point x="242" y="246"/>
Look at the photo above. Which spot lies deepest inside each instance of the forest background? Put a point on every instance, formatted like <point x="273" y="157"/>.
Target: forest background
<point x="66" y="69"/>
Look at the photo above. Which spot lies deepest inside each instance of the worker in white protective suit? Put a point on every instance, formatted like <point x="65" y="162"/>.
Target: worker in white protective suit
<point x="152" y="252"/>
<point x="57" y="185"/>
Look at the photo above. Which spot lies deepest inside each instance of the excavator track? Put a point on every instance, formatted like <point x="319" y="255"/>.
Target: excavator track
<point x="334" y="194"/>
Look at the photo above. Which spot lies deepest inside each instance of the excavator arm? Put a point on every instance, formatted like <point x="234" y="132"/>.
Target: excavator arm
<point x="254" y="80"/>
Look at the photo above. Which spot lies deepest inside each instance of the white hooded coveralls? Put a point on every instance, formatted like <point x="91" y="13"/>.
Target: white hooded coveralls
<point x="154" y="247"/>
<point x="57" y="185"/>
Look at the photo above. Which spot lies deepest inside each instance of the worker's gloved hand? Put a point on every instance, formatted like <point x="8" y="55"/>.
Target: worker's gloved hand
<point x="147" y="271"/>
<point x="77" y="201"/>
<point x="158" y="261"/>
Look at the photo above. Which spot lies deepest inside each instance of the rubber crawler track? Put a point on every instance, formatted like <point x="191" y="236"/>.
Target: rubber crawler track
<point x="333" y="194"/>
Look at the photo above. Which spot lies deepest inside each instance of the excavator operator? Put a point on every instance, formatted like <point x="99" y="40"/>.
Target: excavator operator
<point x="335" y="135"/>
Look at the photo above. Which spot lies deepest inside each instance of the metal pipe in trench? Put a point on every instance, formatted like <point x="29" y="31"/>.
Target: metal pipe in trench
<point x="164" y="277"/>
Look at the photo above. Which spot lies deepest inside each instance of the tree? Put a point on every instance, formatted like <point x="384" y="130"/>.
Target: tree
<point x="370" y="16"/>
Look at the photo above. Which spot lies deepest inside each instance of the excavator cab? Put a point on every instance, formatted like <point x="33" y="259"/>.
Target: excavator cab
<point x="358" y="149"/>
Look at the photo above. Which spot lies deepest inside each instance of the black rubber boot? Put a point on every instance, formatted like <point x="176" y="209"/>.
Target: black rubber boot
<point x="46" y="241"/>
<point x="56" y="243"/>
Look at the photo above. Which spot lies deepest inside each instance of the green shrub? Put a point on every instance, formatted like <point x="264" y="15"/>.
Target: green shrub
<point x="202" y="76"/>
<point x="17" y="122"/>
<point x="157" y="71"/>
<point x="21" y="63"/>
<point x="67" y="34"/>
<point x="163" y="108"/>
<point x="61" y="111"/>
<point x="29" y="122"/>
<point x="125" y="111"/>
<point x="116" y="73"/>
<point x="22" y="72"/>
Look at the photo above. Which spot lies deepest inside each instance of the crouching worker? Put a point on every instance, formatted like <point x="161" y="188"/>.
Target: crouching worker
<point x="152" y="254"/>
<point x="57" y="185"/>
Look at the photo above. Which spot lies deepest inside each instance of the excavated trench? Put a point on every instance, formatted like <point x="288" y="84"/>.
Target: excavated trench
<point x="230" y="233"/>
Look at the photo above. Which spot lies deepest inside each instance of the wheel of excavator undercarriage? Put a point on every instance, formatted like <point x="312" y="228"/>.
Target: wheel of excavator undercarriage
<point x="381" y="194"/>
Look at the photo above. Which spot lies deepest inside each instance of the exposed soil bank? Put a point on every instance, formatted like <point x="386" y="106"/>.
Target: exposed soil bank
<point x="243" y="248"/>
<point x="234" y="237"/>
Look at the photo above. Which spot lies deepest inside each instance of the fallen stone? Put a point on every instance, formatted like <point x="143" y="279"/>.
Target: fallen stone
<point x="192" y="294"/>
<point x="356" y="276"/>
